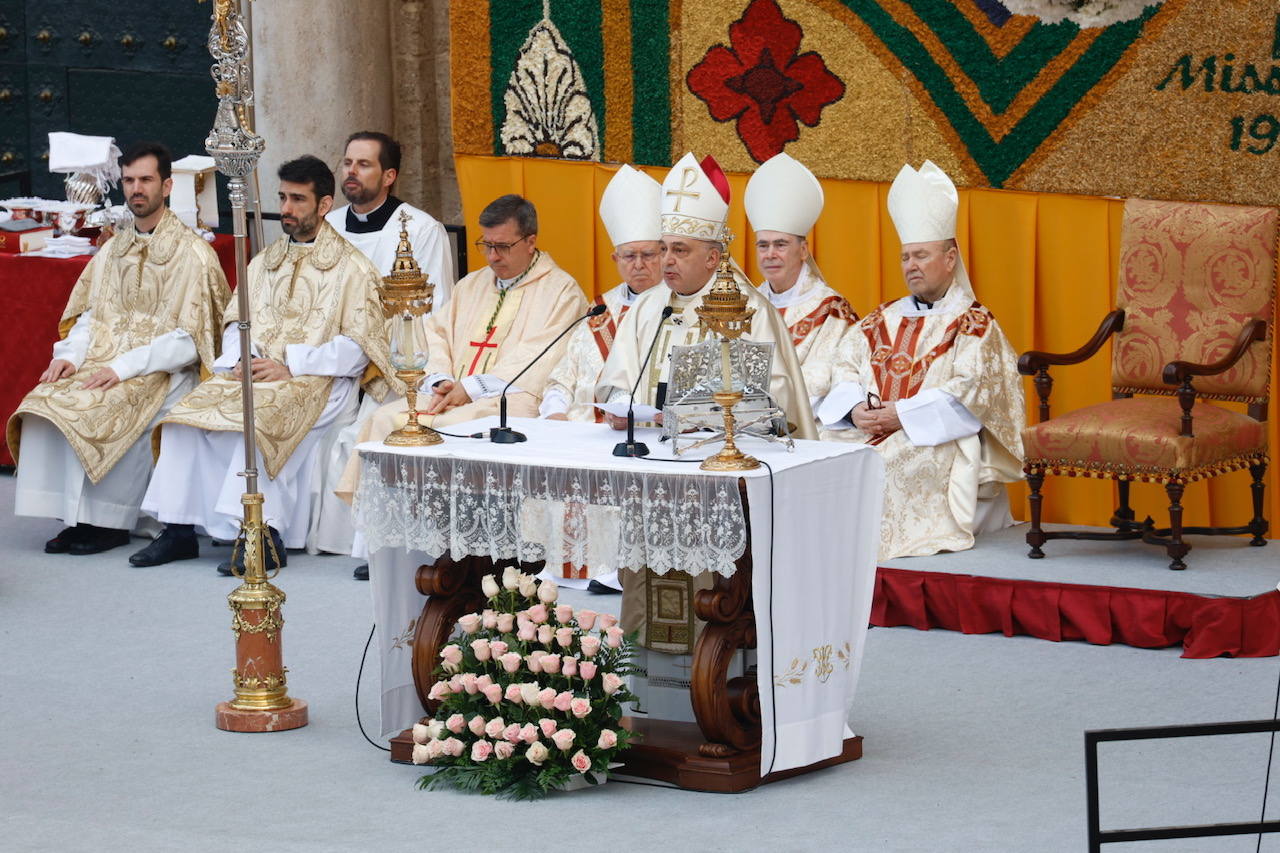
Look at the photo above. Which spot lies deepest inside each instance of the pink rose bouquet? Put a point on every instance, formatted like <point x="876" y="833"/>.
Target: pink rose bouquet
<point x="529" y="694"/>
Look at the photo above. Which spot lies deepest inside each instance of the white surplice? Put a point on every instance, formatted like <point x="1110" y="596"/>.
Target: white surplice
<point x="818" y="319"/>
<point x="428" y="237"/>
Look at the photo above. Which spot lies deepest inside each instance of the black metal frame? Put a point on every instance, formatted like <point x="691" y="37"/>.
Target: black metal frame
<point x="1098" y="836"/>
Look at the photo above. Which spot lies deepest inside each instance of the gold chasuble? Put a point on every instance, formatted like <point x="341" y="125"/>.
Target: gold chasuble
<point x="896" y="352"/>
<point x="638" y="327"/>
<point x="138" y="288"/>
<point x="299" y="293"/>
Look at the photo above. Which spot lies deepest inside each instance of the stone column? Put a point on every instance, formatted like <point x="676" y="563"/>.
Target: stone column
<point x="322" y="70"/>
<point x="420" y="69"/>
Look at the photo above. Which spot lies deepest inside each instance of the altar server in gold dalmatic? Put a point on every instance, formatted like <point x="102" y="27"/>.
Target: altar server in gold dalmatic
<point x="318" y="332"/>
<point x="931" y="381"/>
<point x="141" y="321"/>
<point x="783" y="201"/>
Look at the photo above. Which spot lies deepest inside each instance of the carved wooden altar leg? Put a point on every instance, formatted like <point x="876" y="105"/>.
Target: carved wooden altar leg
<point x="454" y="588"/>
<point x="1035" y="536"/>
<point x="1258" y="524"/>
<point x="727" y="710"/>
<point x="1177" y="549"/>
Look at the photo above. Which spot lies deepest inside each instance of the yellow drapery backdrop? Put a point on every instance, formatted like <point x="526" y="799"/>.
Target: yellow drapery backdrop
<point x="1045" y="264"/>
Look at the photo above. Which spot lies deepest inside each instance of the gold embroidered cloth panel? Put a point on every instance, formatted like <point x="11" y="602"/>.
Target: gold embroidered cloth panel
<point x="138" y="288"/>
<point x="299" y="294"/>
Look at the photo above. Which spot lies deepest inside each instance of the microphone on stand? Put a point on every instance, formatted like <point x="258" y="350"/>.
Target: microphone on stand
<point x="631" y="447"/>
<point x="503" y="434"/>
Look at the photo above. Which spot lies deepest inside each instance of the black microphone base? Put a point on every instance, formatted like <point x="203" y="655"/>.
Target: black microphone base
<point x="631" y="448"/>
<point x="506" y="435"/>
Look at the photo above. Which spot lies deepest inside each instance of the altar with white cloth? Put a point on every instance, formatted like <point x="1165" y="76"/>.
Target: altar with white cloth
<point x="793" y="546"/>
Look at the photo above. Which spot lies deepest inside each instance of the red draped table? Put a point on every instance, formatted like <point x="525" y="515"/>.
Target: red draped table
<point x="33" y="294"/>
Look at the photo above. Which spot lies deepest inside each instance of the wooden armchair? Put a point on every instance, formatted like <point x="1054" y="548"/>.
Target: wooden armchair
<point x="1194" y="308"/>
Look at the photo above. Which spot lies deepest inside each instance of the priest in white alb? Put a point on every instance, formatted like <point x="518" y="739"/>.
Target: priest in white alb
<point x="498" y="319"/>
<point x="783" y="201"/>
<point x="931" y="381"/>
<point x="141" y="321"/>
<point x="371" y="221"/>
<point x="694" y="206"/>
<point x="629" y="211"/>
<point x="318" y="333"/>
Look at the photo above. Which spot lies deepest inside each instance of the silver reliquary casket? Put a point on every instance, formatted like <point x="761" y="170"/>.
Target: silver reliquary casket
<point x="698" y="371"/>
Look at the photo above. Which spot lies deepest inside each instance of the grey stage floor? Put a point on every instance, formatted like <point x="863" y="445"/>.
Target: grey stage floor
<point x="973" y="743"/>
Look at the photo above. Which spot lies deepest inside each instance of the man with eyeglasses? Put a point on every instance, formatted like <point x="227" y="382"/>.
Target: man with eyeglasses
<point x="783" y="202"/>
<point x="694" y="205"/>
<point x="629" y="210"/>
<point x="932" y="383"/>
<point x="498" y="319"/>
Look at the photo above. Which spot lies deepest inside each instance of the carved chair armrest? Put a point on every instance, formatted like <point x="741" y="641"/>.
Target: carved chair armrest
<point x="1036" y="363"/>
<point x="1180" y="372"/>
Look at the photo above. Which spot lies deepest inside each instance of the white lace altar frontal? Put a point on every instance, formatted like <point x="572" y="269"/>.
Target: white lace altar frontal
<point x="560" y="497"/>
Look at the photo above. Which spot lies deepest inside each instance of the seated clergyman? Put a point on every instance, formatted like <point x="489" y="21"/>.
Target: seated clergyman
<point x="142" y="319"/>
<point x="498" y="319"/>
<point x="783" y="202"/>
<point x="317" y="324"/>
<point x="931" y="381"/>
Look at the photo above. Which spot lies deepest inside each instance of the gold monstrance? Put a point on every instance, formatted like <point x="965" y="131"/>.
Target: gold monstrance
<point x="406" y="295"/>
<point x="724" y="313"/>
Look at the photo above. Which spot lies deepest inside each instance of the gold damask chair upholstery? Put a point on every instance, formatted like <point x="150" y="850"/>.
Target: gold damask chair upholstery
<point x="1194" y="307"/>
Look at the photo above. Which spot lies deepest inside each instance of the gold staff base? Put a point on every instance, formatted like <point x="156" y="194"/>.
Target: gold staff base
<point x="262" y="702"/>
<point x="412" y="434"/>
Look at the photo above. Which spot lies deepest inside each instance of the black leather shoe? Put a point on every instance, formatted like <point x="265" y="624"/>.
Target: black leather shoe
<point x="61" y="543"/>
<point x="602" y="589"/>
<point x="97" y="540"/>
<point x="167" y="547"/>
<point x="269" y="564"/>
<point x="361" y="573"/>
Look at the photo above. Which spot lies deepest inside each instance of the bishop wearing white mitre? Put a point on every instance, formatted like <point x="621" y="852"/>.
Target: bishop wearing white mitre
<point x="783" y="202"/>
<point x="931" y="381"/>
<point x="629" y="210"/>
<point x="695" y="203"/>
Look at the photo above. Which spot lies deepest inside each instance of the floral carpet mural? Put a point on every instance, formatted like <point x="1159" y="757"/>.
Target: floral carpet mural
<point x="1160" y="99"/>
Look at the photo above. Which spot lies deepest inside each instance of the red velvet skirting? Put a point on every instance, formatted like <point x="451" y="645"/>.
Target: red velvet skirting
<point x="1147" y="618"/>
